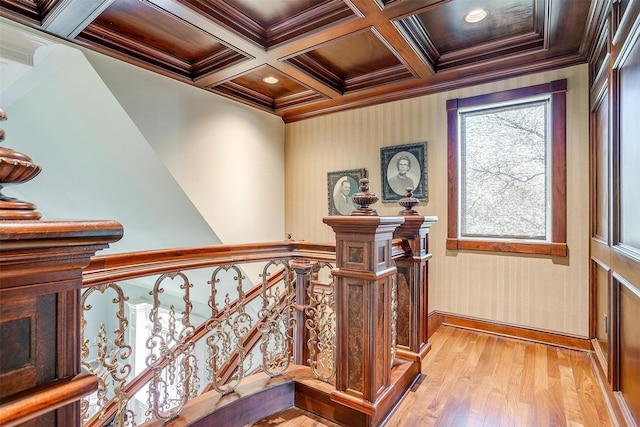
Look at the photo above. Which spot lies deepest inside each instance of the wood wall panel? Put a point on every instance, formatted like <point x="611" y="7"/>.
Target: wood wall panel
<point x="629" y="148"/>
<point x="537" y="292"/>
<point x="600" y="163"/>
<point x="629" y="346"/>
<point x="601" y="309"/>
<point x="615" y="156"/>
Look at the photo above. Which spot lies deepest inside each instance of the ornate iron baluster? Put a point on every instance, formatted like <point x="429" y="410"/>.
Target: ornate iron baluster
<point x="321" y="323"/>
<point x="228" y="331"/>
<point x="277" y="325"/>
<point x="171" y="359"/>
<point x="110" y="364"/>
<point x="394" y="317"/>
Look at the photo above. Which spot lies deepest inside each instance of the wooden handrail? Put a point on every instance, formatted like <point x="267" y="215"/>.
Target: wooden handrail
<point x="52" y="396"/>
<point x="117" y="267"/>
<point x="400" y="248"/>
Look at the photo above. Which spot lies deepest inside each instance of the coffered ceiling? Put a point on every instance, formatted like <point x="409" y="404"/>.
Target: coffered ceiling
<point x="327" y="55"/>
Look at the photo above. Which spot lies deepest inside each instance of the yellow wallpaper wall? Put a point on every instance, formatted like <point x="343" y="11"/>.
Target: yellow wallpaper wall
<point x="539" y="292"/>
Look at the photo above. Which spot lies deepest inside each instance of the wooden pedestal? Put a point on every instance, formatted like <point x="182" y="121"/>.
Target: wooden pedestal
<point x="41" y="266"/>
<point x="363" y="280"/>
<point x="413" y="296"/>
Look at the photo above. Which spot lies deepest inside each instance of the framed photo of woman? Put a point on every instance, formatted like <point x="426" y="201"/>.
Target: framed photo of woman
<point x="402" y="167"/>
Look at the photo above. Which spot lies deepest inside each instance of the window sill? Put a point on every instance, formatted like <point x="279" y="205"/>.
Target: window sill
<point x="530" y="248"/>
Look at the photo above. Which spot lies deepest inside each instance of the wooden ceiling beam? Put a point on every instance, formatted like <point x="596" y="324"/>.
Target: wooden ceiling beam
<point x="67" y="19"/>
<point x="382" y="21"/>
<point x="224" y="35"/>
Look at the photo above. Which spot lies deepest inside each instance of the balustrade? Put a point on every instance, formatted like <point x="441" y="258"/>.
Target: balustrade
<point x="158" y="331"/>
<point x="246" y="325"/>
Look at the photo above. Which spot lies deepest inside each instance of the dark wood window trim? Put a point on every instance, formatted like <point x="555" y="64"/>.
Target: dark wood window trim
<point x="557" y="246"/>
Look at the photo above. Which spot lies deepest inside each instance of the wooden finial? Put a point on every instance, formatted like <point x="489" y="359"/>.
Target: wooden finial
<point x="408" y="202"/>
<point x="15" y="168"/>
<point x="364" y="199"/>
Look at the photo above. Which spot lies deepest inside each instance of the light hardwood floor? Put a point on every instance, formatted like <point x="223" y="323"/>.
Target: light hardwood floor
<point x="478" y="379"/>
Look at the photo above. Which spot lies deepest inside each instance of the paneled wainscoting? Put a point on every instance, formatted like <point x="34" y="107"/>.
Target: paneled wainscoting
<point x="474" y="378"/>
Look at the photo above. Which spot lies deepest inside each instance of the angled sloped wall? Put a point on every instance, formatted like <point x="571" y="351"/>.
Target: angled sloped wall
<point x="175" y="165"/>
<point x="228" y="158"/>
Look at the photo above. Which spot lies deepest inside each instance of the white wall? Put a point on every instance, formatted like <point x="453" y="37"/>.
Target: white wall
<point x="228" y="158"/>
<point x="177" y="166"/>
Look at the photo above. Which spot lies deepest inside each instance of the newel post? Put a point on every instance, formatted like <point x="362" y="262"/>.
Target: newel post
<point x="363" y="280"/>
<point x="413" y="283"/>
<point x="41" y="263"/>
<point x="41" y="266"/>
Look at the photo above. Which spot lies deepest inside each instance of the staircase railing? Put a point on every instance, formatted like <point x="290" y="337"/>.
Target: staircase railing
<point x="156" y="329"/>
<point x="228" y="310"/>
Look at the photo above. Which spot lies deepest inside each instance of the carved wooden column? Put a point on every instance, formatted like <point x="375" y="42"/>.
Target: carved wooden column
<point x="413" y="298"/>
<point x="301" y="333"/>
<point x="363" y="279"/>
<point x="41" y="266"/>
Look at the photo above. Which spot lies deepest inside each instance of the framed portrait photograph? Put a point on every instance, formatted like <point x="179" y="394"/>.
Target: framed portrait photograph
<point x="404" y="166"/>
<point x="341" y="185"/>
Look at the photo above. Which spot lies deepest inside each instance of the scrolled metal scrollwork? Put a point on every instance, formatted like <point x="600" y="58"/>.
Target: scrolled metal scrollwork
<point x="110" y="364"/>
<point x="277" y="319"/>
<point x="321" y="323"/>
<point x="394" y="318"/>
<point x="171" y="359"/>
<point x="228" y="325"/>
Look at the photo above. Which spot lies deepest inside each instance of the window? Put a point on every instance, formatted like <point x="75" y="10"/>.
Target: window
<point x="507" y="171"/>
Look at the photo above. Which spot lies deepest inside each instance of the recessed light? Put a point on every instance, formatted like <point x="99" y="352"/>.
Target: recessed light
<point x="476" y="15"/>
<point x="270" y="80"/>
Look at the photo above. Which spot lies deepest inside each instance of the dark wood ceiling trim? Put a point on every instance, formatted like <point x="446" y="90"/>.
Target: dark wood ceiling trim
<point x="315" y="69"/>
<point x="303" y="23"/>
<point x="399" y="9"/>
<point x="306" y="79"/>
<point x="367" y="16"/>
<point x="218" y="60"/>
<point x="297" y="99"/>
<point x="26" y="12"/>
<point x="230" y="18"/>
<point x="319" y="37"/>
<point x="235" y="91"/>
<point x="395" y="73"/>
<point x="422" y="88"/>
<point x="330" y="13"/>
<point x="115" y="45"/>
<point x="418" y="38"/>
<point x="491" y="50"/>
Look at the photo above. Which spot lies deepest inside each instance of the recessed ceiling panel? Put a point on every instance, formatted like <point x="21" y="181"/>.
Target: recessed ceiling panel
<point x="271" y="22"/>
<point x="271" y="12"/>
<point x="353" y="62"/>
<point x="282" y="93"/>
<point x="138" y="28"/>
<point x="445" y="40"/>
<point x="505" y="18"/>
